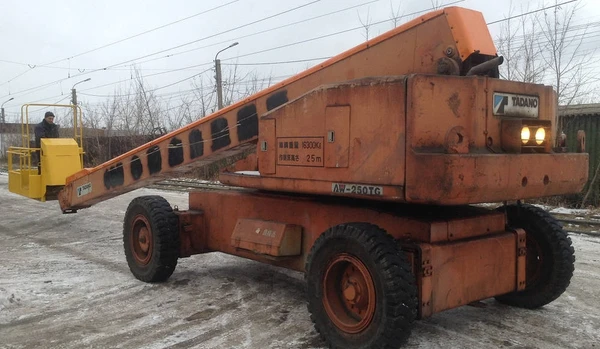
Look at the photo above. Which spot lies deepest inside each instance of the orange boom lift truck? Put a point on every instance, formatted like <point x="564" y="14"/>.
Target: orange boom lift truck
<point x="367" y="168"/>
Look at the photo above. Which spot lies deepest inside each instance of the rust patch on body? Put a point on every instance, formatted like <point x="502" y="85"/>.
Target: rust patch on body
<point x="454" y="103"/>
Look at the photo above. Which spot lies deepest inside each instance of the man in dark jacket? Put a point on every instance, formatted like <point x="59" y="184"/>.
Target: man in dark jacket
<point x="45" y="129"/>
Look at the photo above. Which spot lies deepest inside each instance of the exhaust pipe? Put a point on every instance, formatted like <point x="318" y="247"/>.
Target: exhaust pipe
<point x="486" y="66"/>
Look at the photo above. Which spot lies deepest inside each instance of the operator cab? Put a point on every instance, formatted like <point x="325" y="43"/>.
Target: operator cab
<point x="40" y="172"/>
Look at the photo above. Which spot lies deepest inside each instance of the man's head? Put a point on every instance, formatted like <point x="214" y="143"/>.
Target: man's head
<point x="49" y="117"/>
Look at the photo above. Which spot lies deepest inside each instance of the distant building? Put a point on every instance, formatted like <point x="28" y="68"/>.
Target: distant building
<point x="584" y="117"/>
<point x="579" y="110"/>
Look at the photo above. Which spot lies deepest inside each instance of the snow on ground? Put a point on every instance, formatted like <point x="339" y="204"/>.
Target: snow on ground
<point x="64" y="283"/>
<point x="571" y="211"/>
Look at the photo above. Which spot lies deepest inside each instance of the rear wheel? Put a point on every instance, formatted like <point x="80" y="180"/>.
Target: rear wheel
<point x="361" y="291"/>
<point x="151" y="238"/>
<point x="550" y="257"/>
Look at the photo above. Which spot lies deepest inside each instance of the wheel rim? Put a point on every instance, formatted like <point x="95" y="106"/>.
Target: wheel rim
<point x="141" y="240"/>
<point x="349" y="294"/>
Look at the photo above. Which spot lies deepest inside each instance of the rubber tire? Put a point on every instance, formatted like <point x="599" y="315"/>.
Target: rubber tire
<point x="165" y="237"/>
<point x="396" y="300"/>
<point x="556" y="251"/>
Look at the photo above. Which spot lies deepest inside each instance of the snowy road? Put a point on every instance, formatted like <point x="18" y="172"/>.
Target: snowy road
<point x="64" y="283"/>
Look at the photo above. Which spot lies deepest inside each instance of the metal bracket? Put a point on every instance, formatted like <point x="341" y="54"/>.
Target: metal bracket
<point x="426" y="296"/>
<point x="521" y="237"/>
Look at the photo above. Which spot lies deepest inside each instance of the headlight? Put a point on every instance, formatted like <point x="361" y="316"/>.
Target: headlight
<point x="540" y="136"/>
<point x="525" y="134"/>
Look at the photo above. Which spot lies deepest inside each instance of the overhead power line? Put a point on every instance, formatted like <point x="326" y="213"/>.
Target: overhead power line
<point x="281" y="62"/>
<point x="299" y="22"/>
<point x="238" y="38"/>
<point x="119" y="41"/>
<point x="175" y="47"/>
<point x="127" y="66"/>
<point x="331" y="34"/>
<point x="147" y="31"/>
<point x="274" y="48"/>
<point x="279" y="47"/>
<point x="531" y="12"/>
<point x="215" y="35"/>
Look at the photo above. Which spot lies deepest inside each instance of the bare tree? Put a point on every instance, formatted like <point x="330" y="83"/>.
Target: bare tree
<point x="395" y="13"/>
<point x="366" y="24"/>
<point x="436" y="4"/>
<point x="147" y="107"/>
<point x="505" y="43"/>
<point x="562" y="53"/>
<point x="518" y="42"/>
<point x="591" y="186"/>
<point x="547" y="48"/>
<point x="132" y="113"/>
<point x="531" y="68"/>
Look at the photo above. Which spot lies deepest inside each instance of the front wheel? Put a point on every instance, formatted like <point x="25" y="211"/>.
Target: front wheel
<point x="550" y="260"/>
<point x="361" y="291"/>
<point x="151" y="238"/>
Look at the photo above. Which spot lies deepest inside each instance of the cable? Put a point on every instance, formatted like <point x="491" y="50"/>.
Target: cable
<point x="124" y="80"/>
<point x="121" y="40"/>
<point x="198" y="48"/>
<point x="302" y="21"/>
<point x="261" y="32"/>
<point x="217" y="34"/>
<point x="278" y="78"/>
<point x="281" y="62"/>
<point x="175" y="47"/>
<point x="180" y="81"/>
<point x="530" y="12"/>
<point x="541" y="34"/>
<point x="328" y="35"/>
<point x="274" y="48"/>
<point x="150" y="75"/>
<point x="268" y="30"/>
<point x="148" y="31"/>
<point x="33" y="89"/>
<point x="13" y="62"/>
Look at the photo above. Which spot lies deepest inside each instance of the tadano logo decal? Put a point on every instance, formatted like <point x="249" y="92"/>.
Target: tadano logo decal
<point x="506" y="104"/>
<point x="500" y="102"/>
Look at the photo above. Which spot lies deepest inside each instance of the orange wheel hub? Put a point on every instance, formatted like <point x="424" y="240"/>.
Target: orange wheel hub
<point x="349" y="294"/>
<point x="141" y="240"/>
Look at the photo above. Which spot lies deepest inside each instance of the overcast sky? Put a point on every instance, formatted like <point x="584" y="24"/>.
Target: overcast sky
<point x="45" y="44"/>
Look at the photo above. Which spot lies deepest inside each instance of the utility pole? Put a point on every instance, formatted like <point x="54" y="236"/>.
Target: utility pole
<point x="3" y="127"/>
<point x="218" y="77"/>
<point x="74" y="92"/>
<point x="78" y="138"/>
<point x="219" y="84"/>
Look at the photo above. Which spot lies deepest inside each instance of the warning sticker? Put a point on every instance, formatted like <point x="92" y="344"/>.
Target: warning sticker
<point x="300" y="151"/>
<point x="84" y="189"/>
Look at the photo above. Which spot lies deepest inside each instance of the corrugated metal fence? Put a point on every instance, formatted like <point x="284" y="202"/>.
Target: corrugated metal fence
<point x="585" y="117"/>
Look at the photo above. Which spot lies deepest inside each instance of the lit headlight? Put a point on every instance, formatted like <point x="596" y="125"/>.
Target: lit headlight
<point x="540" y="136"/>
<point x="525" y="134"/>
